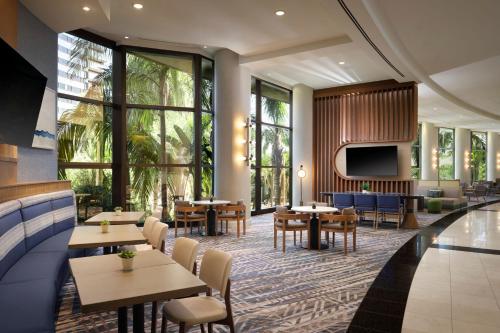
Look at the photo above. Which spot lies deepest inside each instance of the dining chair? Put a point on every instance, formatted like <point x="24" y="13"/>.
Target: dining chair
<point x="156" y="241"/>
<point x="389" y="205"/>
<point x="191" y="311"/>
<point x="343" y="200"/>
<point x="233" y="212"/>
<point x="148" y="226"/>
<point x="343" y="223"/>
<point x="188" y="215"/>
<point x="366" y="204"/>
<point x="290" y="222"/>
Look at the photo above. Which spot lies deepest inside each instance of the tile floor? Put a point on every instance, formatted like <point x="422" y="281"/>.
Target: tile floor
<point x="459" y="291"/>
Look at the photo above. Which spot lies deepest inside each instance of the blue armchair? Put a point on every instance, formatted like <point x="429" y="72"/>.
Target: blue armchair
<point x="343" y="200"/>
<point x="389" y="205"/>
<point x="366" y="203"/>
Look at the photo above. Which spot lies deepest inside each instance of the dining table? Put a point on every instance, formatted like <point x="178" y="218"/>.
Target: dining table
<point x="313" y="234"/>
<point x="87" y="237"/>
<point x="211" y="214"/>
<point x="114" y="218"/>
<point x="102" y="284"/>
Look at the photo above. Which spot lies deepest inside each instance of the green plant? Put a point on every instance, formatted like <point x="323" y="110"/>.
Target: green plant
<point x="365" y="186"/>
<point x="105" y="222"/>
<point x="126" y="254"/>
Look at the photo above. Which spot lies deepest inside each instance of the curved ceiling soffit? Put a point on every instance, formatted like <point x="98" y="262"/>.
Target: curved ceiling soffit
<point x="389" y="34"/>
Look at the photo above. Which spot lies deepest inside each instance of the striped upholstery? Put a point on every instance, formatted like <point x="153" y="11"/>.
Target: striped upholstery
<point x="64" y="207"/>
<point x="12" y="244"/>
<point x="38" y="220"/>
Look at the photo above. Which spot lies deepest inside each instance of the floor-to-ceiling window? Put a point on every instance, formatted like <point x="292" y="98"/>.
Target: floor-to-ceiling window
<point x="84" y="118"/>
<point x="271" y="137"/>
<point x="446" y="143"/>
<point x="167" y="134"/>
<point x="478" y="156"/>
<point x="416" y="155"/>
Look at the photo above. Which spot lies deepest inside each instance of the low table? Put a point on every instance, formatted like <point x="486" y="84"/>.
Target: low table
<point x="211" y="213"/>
<point x="313" y="234"/>
<point x="124" y="218"/>
<point x="103" y="286"/>
<point x="86" y="237"/>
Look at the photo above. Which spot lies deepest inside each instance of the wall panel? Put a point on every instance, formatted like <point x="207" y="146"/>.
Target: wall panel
<point x="378" y="112"/>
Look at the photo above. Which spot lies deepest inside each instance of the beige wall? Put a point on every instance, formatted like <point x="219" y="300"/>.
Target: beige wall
<point x="404" y="161"/>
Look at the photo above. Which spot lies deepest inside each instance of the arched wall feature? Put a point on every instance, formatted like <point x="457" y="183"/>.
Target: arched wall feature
<point x="373" y="113"/>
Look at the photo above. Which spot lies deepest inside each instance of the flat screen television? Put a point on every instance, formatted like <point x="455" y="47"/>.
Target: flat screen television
<point x="21" y="93"/>
<point x="372" y="161"/>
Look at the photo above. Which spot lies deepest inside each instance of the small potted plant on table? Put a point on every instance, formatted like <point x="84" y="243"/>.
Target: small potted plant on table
<point x="104" y="226"/>
<point x="118" y="211"/>
<point x="365" y="188"/>
<point x="127" y="259"/>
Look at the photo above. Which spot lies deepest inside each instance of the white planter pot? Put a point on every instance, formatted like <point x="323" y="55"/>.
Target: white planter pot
<point x="118" y="212"/>
<point x="128" y="264"/>
<point x="105" y="228"/>
<point x="365" y="191"/>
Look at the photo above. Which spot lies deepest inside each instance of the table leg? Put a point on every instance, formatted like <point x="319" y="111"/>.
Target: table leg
<point x="138" y="311"/>
<point x="106" y="249"/>
<point x="122" y="320"/>
<point x="211" y="222"/>
<point x="410" y="220"/>
<point x="313" y="234"/>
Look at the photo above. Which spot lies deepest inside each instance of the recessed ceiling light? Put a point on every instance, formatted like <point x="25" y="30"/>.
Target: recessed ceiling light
<point x="138" y="5"/>
<point x="341" y="62"/>
<point x="126" y="37"/>
<point x="279" y="12"/>
<point x="434" y="109"/>
<point x="204" y="46"/>
<point x="86" y="9"/>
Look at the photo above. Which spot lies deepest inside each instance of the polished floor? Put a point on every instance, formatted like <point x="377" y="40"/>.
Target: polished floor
<point x="456" y="287"/>
<point x="303" y="291"/>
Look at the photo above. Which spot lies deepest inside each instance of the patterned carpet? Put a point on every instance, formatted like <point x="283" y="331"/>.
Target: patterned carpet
<point x="307" y="291"/>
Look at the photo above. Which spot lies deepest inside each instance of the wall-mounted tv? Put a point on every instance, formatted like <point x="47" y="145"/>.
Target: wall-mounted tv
<point x="21" y="93"/>
<point x="372" y="161"/>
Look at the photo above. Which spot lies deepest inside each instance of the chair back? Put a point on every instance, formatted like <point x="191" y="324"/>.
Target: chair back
<point x="159" y="236"/>
<point x="343" y="200"/>
<point x="336" y="218"/>
<point x="281" y="209"/>
<point x="388" y="203"/>
<point x="190" y="209"/>
<point x="185" y="251"/>
<point x="148" y="226"/>
<point x="231" y="208"/>
<point x="365" y="202"/>
<point x="480" y="190"/>
<point x="285" y="217"/>
<point x="182" y="203"/>
<point x="215" y="269"/>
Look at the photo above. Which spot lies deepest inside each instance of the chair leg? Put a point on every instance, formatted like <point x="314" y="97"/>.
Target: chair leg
<point x="175" y="233"/>
<point x="182" y="327"/>
<point x="202" y="328"/>
<point x="226" y="228"/>
<point x="238" y="228"/>
<point x="154" y="310"/>
<point x="327" y="235"/>
<point x="345" y="243"/>
<point x="185" y="228"/>
<point x="354" y="239"/>
<point x="164" y="323"/>
<point x="275" y="237"/>
<point x="283" y="246"/>
<point x="294" y="238"/>
<point x="300" y="237"/>
<point x="210" y="327"/>
<point x="244" y="226"/>
<point x="333" y="239"/>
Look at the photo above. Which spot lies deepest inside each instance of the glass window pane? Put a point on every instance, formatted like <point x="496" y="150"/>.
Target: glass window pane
<point x="92" y="188"/>
<point x="275" y="187"/>
<point x="207" y="84"/>
<point x="157" y="79"/>
<point x="478" y="156"/>
<point x="446" y="163"/>
<point x="206" y="182"/>
<point x="446" y="138"/>
<point x="252" y="186"/>
<point x="160" y="137"/>
<point x="275" y="112"/>
<point x="155" y="190"/>
<point x="207" y="156"/>
<point x="84" y="68"/>
<point x="84" y="132"/>
<point x="275" y="146"/>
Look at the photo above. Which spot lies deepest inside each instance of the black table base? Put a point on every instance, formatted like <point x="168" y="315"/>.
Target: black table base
<point x="138" y="321"/>
<point x="314" y="236"/>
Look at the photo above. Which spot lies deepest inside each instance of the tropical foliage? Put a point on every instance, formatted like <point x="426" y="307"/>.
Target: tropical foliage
<point x="478" y="156"/>
<point x="446" y="141"/>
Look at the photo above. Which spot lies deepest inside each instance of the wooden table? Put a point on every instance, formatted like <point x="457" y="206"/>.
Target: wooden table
<point x="211" y="213"/>
<point x="409" y="219"/>
<point x="86" y="237"/>
<point x="124" y="218"/>
<point x="102" y="285"/>
<point x="313" y="233"/>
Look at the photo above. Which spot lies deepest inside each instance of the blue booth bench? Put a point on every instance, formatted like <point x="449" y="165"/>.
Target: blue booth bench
<point x="34" y="235"/>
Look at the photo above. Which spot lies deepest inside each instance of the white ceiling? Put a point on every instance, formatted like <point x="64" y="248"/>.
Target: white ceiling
<point x="453" y="43"/>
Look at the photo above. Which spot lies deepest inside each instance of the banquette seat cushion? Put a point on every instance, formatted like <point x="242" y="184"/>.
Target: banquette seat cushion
<point x="34" y="235"/>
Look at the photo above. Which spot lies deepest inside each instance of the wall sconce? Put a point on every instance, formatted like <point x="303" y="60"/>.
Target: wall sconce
<point x="247" y="142"/>
<point x="466" y="160"/>
<point x="434" y="158"/>
<point x="498" y="161"/>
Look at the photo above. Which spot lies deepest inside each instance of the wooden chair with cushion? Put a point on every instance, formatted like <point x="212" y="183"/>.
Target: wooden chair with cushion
<point x="156" y="241"/>
<point x="188" y="214"/>
<point x="192" y="311"/>
<point x="148" y="226"/>
<point x="290" y="222"/>
<point x="344" y="223"/>
<point x="232" y="213"/>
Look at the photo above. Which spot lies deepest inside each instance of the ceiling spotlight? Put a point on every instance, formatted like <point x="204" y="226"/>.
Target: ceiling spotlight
<point x="126" y="37"/>
<point x="279" y="12"/>
<point x="341" y="62"/>
<point x="435" y="109"/>
<point x="138" y="5"/>
<point x="204" y="46"/>
<point x="86" y="9"/>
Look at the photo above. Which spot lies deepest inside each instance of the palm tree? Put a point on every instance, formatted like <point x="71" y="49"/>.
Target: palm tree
<point x="478" y="156"/>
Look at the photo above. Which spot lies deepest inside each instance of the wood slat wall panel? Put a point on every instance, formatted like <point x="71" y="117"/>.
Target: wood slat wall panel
<point x="16" y="191"/>
<point x="379" y="112"/>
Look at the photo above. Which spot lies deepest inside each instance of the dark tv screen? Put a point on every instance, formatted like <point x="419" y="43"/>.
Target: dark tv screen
<point x="21" y="93"/>
<point x="372" y="161"/>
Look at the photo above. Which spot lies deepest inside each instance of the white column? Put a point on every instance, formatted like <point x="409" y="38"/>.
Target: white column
<point x="232" y="107"/>
<point x="462" y="147"/>
<point x="429" y="142"/>
<point x="491" y="156"/>
<point x="302" y="142"/>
